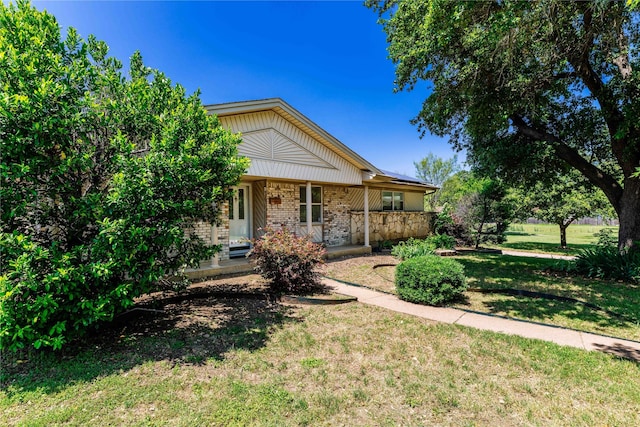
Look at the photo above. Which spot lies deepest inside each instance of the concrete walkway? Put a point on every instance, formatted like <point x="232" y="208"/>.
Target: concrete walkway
<point x="538" y="255"/>
<point x="568" y="337"/>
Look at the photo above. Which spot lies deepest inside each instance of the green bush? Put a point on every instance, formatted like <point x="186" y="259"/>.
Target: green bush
<point x="413" y="248"/>
<point x="430" y="279"/>
<point x="607" y="262"/>
<point x="442" y="241"/>
<point x="418" y="247"/>
<point x="101" y="175"/>
<point x="287" y="261"/>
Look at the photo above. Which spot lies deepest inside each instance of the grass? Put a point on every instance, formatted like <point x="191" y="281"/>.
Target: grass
<point x="493" y="271"/>
<point x="546" y="238"/>
<point x="533" y="274"/>
<point x="323" y="365"/>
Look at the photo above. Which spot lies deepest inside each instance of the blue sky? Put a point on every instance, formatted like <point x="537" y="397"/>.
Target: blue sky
<point x="326" y="59"/>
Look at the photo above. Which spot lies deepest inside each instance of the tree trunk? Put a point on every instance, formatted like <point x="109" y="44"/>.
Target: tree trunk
<point x="629" y="215"/>
<point x="563" y="235"/>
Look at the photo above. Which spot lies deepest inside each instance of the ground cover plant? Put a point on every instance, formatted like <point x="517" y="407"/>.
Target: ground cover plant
<point x="221" y="361"/>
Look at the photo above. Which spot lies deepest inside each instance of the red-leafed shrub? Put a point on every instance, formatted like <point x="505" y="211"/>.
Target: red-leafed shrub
<point x="287" y="261"/>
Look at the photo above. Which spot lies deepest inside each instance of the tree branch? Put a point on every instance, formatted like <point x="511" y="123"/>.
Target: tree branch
<point x="595" y="175"/>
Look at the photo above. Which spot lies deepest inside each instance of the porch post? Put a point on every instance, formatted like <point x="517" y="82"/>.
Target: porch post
<point x="309" y="224"/>
<point x="215" y="260"/>
<point x="366" y="215"/>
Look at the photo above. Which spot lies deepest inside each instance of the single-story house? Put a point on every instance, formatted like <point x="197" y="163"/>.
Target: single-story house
<point x="305" y="179"/>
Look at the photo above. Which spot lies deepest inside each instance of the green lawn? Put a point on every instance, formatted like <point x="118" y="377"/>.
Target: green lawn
<point x="546" y="238"/>
<point x="236" y="362"/>
<point x="319" y="365"/>
<point x="494" y="271"/>
<point x="490" y="271"/>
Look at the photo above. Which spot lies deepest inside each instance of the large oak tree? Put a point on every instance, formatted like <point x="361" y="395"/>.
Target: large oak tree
<point x="529" y="87"/>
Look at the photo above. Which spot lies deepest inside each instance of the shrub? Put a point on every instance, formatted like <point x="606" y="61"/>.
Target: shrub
<point x="100" y="176"/>
<point x="413" y="248"/>
<point x="447" y="223"/>
<point x="430" y="279"/>
<point x="607" y="262"/>
<point x="287" y="261"/>
<point x="418" y="247"/>
<point x="442" y="241"/>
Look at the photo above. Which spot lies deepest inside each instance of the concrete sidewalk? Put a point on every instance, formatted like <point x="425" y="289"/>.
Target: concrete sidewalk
<point x="568" y="337"/>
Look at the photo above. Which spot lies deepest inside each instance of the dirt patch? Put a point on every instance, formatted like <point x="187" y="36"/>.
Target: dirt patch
<point x="360" y="270"/>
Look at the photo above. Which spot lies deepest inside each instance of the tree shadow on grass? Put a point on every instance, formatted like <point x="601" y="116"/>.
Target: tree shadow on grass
<point x="545" y="310"/>
<point x="538" y="275"/>
<point x="572" y="249"/>
<point x="191" y="331"/>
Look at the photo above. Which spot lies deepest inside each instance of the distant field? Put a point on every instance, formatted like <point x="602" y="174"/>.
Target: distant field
<point x="546" y="237"/>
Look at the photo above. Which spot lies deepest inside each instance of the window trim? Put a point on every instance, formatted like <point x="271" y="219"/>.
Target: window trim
<point x="393" y="201"/>
<point x="309" y="205"/>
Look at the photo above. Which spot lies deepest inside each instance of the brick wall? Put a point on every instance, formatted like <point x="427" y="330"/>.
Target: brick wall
<point x="286" y="213"/>
<point x="203" y="230"/>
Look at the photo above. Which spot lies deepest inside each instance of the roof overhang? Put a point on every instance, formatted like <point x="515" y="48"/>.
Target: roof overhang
<point x="371" y="175"/>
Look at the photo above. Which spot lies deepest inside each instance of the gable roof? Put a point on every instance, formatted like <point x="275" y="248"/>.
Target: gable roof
<point x="370" y="173"/>
<point x="297" y="118"/>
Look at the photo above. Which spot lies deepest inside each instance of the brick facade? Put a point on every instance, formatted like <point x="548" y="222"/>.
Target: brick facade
<point x="283" y="204"/>
<point x="204" y="231"/>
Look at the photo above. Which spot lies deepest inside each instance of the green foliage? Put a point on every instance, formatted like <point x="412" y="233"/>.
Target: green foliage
<point x="412" y="247"/>
<point x="287" y="261"/>
<point x="434" y="170"/>
<point x="529" y="88"/>
<point x="606" y="261"/>
<point x="562" y="201"/>
<point x="480" y="213"/>
<point x="100" y="176"/>
<point x="430" y="279"/>
<point x="605" y="238"/>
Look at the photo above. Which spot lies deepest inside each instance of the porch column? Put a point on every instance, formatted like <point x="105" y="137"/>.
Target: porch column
<point x="366" y="215"/>
<point x="309" y="224"/>
<point x="215" y="260"/>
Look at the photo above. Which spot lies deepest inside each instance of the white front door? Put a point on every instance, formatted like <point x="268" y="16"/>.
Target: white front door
<point x="239" y="225"/>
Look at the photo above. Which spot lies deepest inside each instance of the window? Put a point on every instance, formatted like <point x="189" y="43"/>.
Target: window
<point x="315" y="204"/>
<point x="392" y="201"/>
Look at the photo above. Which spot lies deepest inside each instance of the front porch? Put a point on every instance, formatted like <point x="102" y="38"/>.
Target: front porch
<point x="244" y="266"/>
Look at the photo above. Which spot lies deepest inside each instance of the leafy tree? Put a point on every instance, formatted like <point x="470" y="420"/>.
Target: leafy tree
<point x="435" y="170"/>
<point x="477" y="210"/>
<point x="486" y="213"/>
<point x="563" y="201"/>
<point x="100" y="176"/>
<point x="458" y="185"/>
<point x="527" y="87"/>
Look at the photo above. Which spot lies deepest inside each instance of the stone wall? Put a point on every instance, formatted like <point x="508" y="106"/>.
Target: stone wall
<point x="390" y="226"/>
<point x="336" y="216"/>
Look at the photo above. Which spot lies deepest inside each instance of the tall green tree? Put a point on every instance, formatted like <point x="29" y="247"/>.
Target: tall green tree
<point x="529" y="86"/>
<point x="435" y="170"/>
<point x="100" y="177"/>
